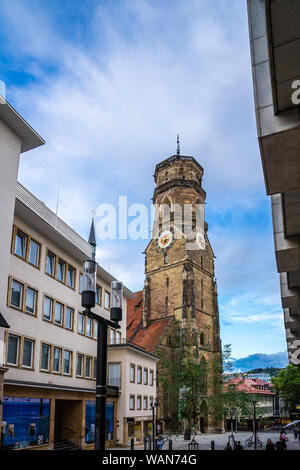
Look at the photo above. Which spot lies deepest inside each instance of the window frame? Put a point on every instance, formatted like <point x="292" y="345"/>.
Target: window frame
<point x="60" y="261"/>
<point x="67" y="307"/>
<point x="70" y="266"/>
<point x="53" y="276"/>
<point x="49" y="357"/>
<point x="100" y="296"/>
<point x="17" y="363"/>
<point x="132" y="397"/>
<point x="107" y="293"/>
<point x="59" y="372"/>
<point x="32" y="341"/>
<point x="132" y="367"/>
<point x="151" y="375"/>
<point x="146" y="370"/>
<point x="139" y="368"/>
<point x="139" y="402"/>
<point x="25" y="286"/>
<point x="29" y="238"/>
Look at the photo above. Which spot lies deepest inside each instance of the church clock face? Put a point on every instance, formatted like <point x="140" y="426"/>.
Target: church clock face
<point x="165" y="239"/>
<point x="200" y="240"/>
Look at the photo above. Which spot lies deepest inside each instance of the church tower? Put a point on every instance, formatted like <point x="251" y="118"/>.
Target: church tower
<point x="179" y="262"/>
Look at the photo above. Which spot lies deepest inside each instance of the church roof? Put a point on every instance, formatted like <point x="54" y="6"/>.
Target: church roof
<point x="146" y="338"/>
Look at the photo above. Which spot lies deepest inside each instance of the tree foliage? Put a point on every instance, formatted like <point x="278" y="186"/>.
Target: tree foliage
<point x="287" y="386"/>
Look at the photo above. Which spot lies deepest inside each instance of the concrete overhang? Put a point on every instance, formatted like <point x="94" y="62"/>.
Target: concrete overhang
<point x="29" y="138"/>
<point x="283" y="20"/>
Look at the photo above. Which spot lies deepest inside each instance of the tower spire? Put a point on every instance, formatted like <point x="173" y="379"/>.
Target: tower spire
<point x="178" y="145"/>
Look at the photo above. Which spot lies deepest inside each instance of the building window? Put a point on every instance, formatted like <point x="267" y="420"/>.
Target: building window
<point x="71" y="277"/>
<point x="21" y="244"/>
<point x="114" y="374"/>
<point x="56" y="359"/>
<point x="89" y="326"/>
<point x="13" y="350"/>
<point x="34" y="253"/>
<point x="67" y="362"/>
<point x="98" y="294"/>
<point x="45" y="359"/>
<point x="88" y="363"/>
<point x="96" y="329"/>
<point x="48" y="307"/>
<point x="81" y="324"/>
<point x="151" y="373"/>
<point x="112" y="336"/>
<point x="30" y="303"/>
<point x="69" y="318"/>
<point x="61" y="270"/>
<point x="95" y="368"/>
<point x="27" y="422"/>
<point x="118" y="337"/>
<point x="80" y="283"/>
<point x="79" y="372"/>
<point x="50" y="263"/>
<point x="90" y="419"/>
<point x="165" y="258"/>
<point x="132" y="373"/>
<point x="59" y="309"/>
<point x="202" y="339"/>
<point x="16" y="294"/>
<point x="145" y="376"/>
<point x="107" y="300"/>
<point x="139" y="375"/>
<point x="28" y="346"/>
<point x="145" y="403"/>
<point x="132" y="402"/>
<point x="150" y="403"/>
<point x="139" y="402"/>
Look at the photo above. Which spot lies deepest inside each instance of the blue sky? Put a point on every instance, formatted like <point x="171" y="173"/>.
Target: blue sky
<point x="109" y="84"/>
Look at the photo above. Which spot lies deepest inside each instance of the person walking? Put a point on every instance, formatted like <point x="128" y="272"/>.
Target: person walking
<point x="279" y="446"/>
<point x="295" y="432"/>
<point x="239" y="446"/>
<point x="270" y="446"/>
<point x="160" y="442"/>
<point x="228" y="446"/>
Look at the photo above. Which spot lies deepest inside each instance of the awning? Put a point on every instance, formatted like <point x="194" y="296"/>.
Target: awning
<point x="3" y="322"/>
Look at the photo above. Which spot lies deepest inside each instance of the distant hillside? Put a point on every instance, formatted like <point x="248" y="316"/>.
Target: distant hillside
<point x="273" y="371"/>
<point x="260" y="361"/>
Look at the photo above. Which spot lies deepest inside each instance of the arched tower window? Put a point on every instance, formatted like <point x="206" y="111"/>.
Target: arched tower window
<point x="202" y="339"/>
<point x="166" y="177"/>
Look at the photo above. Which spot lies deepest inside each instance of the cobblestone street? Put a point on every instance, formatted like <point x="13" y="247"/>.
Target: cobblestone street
<point x="204" y="441"/>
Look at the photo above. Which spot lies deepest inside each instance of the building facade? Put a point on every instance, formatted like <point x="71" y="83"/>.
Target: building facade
<point x="179" y="298"/>
<point x="274" y="43"/>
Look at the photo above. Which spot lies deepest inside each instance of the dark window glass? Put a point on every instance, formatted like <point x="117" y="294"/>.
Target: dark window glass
<point x="71" y="277"/>
<point x="16" y="294"/>
<point x="21" y="244"/>
<point x="56" y="359"/>
<point x="27" y="353"/>
<point x="69" y="318"/>
<point x="67" y="362"/>
<point x="59" y="308"/>
<point x="13" y="349"/>
<point x="61" y="269"/>
<point x="34" y="253"/>
<point x="30" y="300"/>
<point x="48" y="308"/>
<point x="50" y="263"/>
<point x="45" y="357"/>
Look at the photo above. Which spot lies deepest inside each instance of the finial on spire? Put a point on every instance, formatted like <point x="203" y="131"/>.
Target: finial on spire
<point x="178" y="145"/>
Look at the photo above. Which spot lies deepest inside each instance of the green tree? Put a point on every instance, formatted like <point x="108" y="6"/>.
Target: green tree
<point x="229" y="402"/>
<point x="287" y="386"/>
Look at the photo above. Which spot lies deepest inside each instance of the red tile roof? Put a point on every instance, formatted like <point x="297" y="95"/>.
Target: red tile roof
<point x="146" y="338"/>
<point x="249" y="385"/>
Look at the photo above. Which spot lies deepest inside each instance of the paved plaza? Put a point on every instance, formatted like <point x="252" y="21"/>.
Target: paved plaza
<point x="204" y="440"/>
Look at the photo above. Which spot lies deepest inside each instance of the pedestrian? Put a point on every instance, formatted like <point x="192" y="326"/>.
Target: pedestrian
<point x="160" y="442"/>
<point x="239" y="446"/>
<point x="279" y="446"/>
<point x="295" y="433"/>
<point x="284" y="439"/>
<point x="270" y="446"/>
<point x="228" y="446"/>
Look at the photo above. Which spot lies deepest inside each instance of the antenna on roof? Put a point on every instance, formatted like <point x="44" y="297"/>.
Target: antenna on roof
<point x="178" y="145"/>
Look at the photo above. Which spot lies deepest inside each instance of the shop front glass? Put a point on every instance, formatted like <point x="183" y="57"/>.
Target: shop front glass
<point x="25" y="422"/>
<point x="90" y="414"/>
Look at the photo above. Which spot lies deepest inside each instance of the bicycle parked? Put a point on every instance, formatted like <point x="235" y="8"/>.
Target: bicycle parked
<point x="251" y="441"/>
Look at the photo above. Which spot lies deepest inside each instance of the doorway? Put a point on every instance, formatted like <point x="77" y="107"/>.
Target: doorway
<point x="68" y="421"/>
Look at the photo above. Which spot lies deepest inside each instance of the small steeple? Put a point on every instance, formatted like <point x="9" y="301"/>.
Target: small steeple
<point x="92" y="238"/>
<point x="178" y="145"/>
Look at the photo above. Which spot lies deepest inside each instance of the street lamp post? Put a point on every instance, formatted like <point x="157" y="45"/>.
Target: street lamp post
<point x="88" y="302"/>
<point x="154" y="423"/>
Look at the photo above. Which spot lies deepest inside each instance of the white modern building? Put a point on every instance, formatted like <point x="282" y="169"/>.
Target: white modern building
<point x="48" y="346"/>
